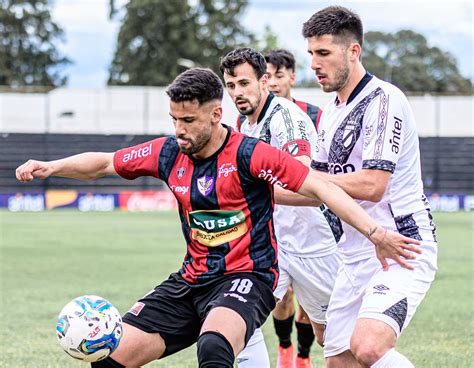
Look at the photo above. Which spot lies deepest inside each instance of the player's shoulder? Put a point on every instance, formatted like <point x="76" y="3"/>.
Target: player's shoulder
<point x="388" y="88"/>
<point x="290" y="107"/>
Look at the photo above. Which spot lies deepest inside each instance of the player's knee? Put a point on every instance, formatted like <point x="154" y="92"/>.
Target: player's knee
<point x="107" y="363"/>
<point x="365" y="353"/>
<point x="214" y="351"/>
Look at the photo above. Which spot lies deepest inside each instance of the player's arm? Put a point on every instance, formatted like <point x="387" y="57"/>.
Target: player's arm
<point x="388" y="243"/>
<point x="289" y="198"/>
<point x="84" y="166"/>
<point x="365" y="184"/>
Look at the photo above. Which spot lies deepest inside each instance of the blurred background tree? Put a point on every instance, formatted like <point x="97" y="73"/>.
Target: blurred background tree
<point x="159" y="38"/>
<point x="28" y="51"/>
<point x="405" y="59"/>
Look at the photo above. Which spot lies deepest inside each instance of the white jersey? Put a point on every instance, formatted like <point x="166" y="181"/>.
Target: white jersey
<point x="302" y="231"/>
<point x="375" y="129"/>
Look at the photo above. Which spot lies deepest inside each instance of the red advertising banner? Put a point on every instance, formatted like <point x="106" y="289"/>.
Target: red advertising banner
<point x="147" y="201"/>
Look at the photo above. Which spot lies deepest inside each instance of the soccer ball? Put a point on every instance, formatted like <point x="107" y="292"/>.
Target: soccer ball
<point x="89" y="328"/>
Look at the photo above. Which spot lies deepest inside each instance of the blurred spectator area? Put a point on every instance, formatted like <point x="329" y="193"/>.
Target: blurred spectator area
<point x="47" y="126"/>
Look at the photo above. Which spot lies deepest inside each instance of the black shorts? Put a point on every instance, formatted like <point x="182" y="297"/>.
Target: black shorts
<point x="176" y="309"/>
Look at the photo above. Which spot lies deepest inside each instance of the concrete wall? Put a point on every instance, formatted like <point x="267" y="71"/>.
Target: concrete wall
<point x="144" y="110"/>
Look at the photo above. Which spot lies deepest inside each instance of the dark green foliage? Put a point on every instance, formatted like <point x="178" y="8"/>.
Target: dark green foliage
<point x="405" y="59"/>
<point x="160" y="38"/>
<point x="28" y="54"/>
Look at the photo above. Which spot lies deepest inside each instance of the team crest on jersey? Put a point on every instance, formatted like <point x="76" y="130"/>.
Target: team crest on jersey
<point x="215" y="227"/>
<point x="348" y="136"/>
<point x="180" y="172"/>
<point x="205" y="184"/>
<point x="298" y="147"/>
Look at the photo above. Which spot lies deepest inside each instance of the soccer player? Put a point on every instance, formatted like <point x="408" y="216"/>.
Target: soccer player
<point x="281" y="74"/>
<point x="281" y="71"/>
<point x="368" y="139"/>
<point x="307" y="241"/>
<point x="223" y="182"/>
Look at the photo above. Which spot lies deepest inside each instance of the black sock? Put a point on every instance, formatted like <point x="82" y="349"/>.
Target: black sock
<point x="107" y="363"/>
<point x="283" y="330"/>
<point x="305" y="339"/>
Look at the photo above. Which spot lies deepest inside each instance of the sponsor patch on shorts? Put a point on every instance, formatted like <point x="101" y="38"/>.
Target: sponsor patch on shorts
<point x="137" y="308"/>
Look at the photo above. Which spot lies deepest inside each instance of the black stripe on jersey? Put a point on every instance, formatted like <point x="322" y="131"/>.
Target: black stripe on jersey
<point x="384" y="165"/>
<point x="265" y="107"/>
<point x="334" y="222"/>
<point x="360" y="86"/>
<point x="312" y="113"/>
<point x="168" y="154"/>
<point x="265" y="134"/>
<point x="348" y="132"/>
<point x="406" y="225"/>
<point x="186" y="231"/>
<point x="259" y="199"/>
<point x="205" y="171"/>
<point x="320" y="166"/>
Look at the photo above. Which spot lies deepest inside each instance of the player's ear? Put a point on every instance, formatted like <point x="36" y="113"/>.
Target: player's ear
<point x="354" y="51"/>
<point x="216" y="114"/>
<point x="292" y="78"/>
<point x="264" y="80"/>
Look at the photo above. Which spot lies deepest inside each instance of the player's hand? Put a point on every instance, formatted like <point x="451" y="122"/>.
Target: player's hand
<point x="33" y="169"/>
<point x="389" y="244"/>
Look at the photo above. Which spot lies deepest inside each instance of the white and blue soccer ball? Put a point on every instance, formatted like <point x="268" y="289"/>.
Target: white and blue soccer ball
<point x="89" y="328"/>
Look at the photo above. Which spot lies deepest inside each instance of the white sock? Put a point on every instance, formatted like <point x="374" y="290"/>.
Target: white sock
<point x="393" y="359"/>
<point x="255" y="354"/>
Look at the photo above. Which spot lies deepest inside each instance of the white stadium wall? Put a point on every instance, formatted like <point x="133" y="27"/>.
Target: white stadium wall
<point x="144" y="110"/>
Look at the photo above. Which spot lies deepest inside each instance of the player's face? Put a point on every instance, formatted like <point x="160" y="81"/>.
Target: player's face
<point x="330" y="62"/>
<point x="280" y="80"/>
<point x="193" y="124"/>
<point x="245" y="89"/>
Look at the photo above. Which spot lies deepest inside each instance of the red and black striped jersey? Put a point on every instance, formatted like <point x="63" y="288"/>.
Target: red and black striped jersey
<point x="225" y="201"/>
<point x="313" y="111"/>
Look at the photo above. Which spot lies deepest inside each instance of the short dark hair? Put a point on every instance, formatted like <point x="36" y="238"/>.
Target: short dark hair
<point x="198" y="84"/>
<point x="281" y="58"/>
<point x="336" y="21"/>
<point x="243" y="55"/>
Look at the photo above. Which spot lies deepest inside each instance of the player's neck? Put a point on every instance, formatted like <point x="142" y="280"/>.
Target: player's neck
<point x="215" y="143"/>
<point x="355" y="77"/>
<point x="254" y="117"/>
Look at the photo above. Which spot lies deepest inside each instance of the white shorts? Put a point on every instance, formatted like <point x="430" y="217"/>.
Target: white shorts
<point x="363" y="290"/>
<point x="312" y="279"/>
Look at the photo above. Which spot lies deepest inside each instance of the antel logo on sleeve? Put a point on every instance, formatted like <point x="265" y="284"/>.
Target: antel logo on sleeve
<point x="139" y="153"/>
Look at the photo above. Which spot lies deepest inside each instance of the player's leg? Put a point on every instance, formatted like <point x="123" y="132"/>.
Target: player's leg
<point x="341" y="316"/>
<point x="305" y="335"/>
<point x="389" y="303"/>
<point x="161" y="323"/>
<point x="136" y="348"/>
<point x="255" y="353"/>
<point x="284" y="314"/>
<point x="313" y="282"/>
<point x="233" y="309"/>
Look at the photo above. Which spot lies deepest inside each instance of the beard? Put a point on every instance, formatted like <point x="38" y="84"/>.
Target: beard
<point x="250" y="110"/>
<point x="197" y="143"/>
<point x="341" y="77"/>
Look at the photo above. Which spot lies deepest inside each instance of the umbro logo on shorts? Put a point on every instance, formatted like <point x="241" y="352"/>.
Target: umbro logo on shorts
<point x="381" y="287"/>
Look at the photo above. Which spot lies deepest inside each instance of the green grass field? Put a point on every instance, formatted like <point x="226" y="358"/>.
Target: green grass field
<point x="48" y="258"/>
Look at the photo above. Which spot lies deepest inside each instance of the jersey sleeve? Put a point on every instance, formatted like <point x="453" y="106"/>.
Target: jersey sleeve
<point x="139" y="160"/>
<point x="292" y="130"/>
<point x="277" y="167"/>
<point x="384" y="132"/>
